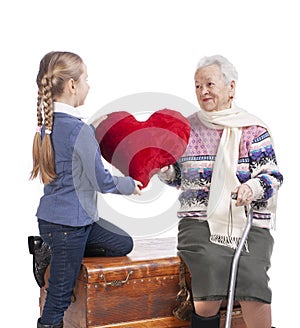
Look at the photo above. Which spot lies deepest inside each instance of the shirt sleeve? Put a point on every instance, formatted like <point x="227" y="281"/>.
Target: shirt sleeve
<point x="265" y="176"/>
<point x="88" y="169"/>
<point x="172" y="177"/>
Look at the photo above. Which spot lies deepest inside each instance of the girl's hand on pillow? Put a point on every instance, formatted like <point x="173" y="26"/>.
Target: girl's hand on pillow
<point x="137" y="190"/>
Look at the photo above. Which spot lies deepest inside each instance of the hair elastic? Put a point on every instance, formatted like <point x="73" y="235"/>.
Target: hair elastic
<point x="38" y="129"/>
<point x="48" y="131"/>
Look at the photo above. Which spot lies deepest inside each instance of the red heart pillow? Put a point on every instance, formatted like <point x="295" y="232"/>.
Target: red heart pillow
<point x="141" y="149"/>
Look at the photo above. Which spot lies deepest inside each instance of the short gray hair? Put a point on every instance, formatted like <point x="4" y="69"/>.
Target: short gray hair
<point x="228" y="70"/>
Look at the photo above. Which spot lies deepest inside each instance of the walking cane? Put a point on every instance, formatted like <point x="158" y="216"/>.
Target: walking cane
<point x="235" y="262"/>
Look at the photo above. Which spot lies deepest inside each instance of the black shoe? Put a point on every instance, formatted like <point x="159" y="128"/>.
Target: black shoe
<point x="39" y="325"/>
<point x="41" y="258"/>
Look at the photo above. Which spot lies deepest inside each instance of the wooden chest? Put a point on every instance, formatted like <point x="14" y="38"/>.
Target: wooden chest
<point x="133" y="291"/>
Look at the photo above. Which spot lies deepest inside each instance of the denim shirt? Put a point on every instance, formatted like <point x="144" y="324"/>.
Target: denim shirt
<point x="71" y="199"/>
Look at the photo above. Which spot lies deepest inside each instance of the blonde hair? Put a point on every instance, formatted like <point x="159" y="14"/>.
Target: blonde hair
<point x="56" y="68"/>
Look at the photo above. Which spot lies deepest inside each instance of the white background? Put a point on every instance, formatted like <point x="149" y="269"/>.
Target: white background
<point x="138" y="46"/>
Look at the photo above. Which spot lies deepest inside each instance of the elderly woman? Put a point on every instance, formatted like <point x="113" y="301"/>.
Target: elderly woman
<point x="229" y="151"/>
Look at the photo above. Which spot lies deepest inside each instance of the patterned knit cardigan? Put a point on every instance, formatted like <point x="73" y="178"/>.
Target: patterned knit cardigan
<point x="257" y="166"/>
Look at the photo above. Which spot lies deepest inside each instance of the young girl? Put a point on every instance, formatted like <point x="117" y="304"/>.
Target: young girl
<point x="67" y="158"/>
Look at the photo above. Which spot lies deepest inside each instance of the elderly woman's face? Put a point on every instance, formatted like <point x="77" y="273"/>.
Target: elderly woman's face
<point x="212" y="92"/>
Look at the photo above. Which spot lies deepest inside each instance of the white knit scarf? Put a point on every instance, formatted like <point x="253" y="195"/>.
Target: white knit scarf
<point x="226" y="221"/>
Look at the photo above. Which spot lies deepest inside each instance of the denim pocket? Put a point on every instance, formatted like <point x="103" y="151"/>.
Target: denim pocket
<point x="54" y="233"/>
<point x="61" y="235"/>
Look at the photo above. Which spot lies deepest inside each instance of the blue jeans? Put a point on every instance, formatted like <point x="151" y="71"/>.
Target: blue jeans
<point x="68" y="246"/>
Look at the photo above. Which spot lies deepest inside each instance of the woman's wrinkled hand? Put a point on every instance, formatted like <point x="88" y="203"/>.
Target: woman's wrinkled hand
<point x="164" y="169"/>
<point x="166" y="172"/>
<point x="244" y="195"/>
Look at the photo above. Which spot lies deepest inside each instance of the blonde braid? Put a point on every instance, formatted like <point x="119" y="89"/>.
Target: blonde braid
<point x="39" y="109"/>
<point x="47" y="164"/>
<point x="37" y="142"/>
<point x="47" y="103"/>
